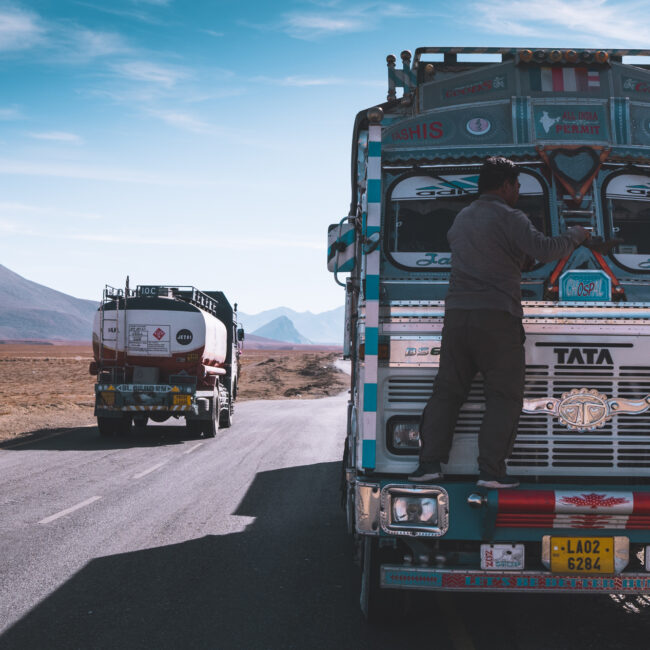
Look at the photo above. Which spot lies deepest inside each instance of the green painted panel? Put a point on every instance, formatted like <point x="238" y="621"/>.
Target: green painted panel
<point x="485" y="84"/>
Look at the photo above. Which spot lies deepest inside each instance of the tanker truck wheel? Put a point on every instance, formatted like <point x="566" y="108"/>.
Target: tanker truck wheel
<point x="225" y="415"/>
<point x="211" y="426"/>
<point x="193" y="427"/>
<point x="106" y="426"/>
<point x="124" y="425"/>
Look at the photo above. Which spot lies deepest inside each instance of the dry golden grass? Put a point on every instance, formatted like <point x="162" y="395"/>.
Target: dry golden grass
<point x="49" y="386"/>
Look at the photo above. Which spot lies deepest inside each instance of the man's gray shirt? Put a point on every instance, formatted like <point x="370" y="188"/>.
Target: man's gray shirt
<point x="490" y="242"/>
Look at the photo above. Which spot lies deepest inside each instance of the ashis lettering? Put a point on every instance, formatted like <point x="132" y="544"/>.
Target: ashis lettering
<point x="430" y="131"/>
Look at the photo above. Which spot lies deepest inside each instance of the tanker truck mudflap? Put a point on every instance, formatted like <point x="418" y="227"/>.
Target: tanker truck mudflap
<point x="165" y="352"/>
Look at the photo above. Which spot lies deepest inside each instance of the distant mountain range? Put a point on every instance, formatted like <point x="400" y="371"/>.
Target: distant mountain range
<point x="325" y="328"/>
<point x="281" y="329"/>
<point x="31" y="311"/>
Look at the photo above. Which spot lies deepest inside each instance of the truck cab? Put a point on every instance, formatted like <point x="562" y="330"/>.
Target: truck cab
<point x="577" y="124"/>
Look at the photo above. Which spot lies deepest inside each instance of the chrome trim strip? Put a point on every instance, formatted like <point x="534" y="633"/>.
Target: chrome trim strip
<point x="367" y="505"/>
<point x="585" y="409"/>
<point x="394" y="576"/>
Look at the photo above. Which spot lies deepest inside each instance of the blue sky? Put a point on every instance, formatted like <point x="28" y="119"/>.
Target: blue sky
<point x="208" y="143"/>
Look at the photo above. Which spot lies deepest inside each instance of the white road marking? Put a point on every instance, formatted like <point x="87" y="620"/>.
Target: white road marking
<point x="67" y="511"/>
<point x="191" y="449"/>
<point x="151" y="469"/>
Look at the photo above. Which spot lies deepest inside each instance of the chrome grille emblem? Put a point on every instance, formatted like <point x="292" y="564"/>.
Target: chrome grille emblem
<point x="585" y="409"/>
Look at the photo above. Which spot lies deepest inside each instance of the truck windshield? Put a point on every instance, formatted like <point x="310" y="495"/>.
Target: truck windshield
<point x="627" y="206"/>
<point x="422" y="208"/>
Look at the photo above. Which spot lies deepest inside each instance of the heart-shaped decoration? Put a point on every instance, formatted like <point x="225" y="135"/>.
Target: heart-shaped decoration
<point x="574" y="168"/>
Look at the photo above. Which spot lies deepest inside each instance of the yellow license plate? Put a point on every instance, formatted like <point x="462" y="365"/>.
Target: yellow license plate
<point x="582" y="554"/>
<point x="181" y="400"/>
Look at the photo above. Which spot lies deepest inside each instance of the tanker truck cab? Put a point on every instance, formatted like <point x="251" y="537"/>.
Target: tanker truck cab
<point x="161" y="352"/>
<point x="577" y="125"/>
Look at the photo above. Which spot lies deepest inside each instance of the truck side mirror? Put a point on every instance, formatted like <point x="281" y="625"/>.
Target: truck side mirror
<point x="340" y="247"/>
<point x="240" y="334"/>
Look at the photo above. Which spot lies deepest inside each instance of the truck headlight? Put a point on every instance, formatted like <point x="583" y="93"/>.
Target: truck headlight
<point x="403" y="434"/>
<point x="417" y="510"/>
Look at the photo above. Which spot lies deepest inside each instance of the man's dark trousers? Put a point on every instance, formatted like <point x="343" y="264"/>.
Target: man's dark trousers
<point x="491" y="342"/>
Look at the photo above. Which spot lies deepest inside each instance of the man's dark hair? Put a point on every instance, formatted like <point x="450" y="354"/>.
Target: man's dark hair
<point x="495" y="172"/>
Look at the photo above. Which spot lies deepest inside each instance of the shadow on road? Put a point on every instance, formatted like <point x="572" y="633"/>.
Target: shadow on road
<point x="287" y="581"/>
<point x="88" y="438"/>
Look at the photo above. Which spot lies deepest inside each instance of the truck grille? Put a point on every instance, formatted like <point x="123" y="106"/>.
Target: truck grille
<point x="544" y="446"/>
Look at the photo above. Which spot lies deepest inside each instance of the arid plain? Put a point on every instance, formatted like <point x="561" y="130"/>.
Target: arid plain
<point x="48" y="387"/>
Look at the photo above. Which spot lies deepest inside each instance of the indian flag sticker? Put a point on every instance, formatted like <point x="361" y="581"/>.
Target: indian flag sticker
<point x="478" y="126"/>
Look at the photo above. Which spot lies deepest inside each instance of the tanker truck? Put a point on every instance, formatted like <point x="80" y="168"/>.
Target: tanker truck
<point x="164" y="351"/>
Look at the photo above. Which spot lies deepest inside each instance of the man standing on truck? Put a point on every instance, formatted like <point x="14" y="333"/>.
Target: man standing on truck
<point x="491" y="241"/>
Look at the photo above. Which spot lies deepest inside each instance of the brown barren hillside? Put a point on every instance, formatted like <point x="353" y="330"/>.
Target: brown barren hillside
<point x="44" y="387"/>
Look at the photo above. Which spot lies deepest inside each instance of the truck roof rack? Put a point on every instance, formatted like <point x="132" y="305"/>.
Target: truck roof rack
<point x="187" y="294"/>
<point x="512" y="52"/>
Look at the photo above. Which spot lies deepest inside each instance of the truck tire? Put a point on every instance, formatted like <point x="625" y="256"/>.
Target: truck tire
<point x="225" y="415"/>
<point x="140" y="423"/>
<point x="378" y="605"/>
<point x="211" y="426"/>
<point x="106" y="426"/>
<point x="193" y="427"/>
<point x="124" y="425"/>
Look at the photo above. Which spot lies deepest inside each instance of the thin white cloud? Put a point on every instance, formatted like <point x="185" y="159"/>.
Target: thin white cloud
<point x="25" y="210"/>
<point x="166" y="76"/>
<point x="589" y="22"/>
<point x="300" y="81"/>
<point x="310" y="26"/>
<point x="93" y="44"/>
<point x="90" y="172"/>
<point x="10" y="113"/>
<point x="134" y="238"/>
<point x="158" y="3"/>
<point x="334" y="18"/>
<point x="19" y="30"/>
<point x="213" y="33"/>
<point x="57" y="136"/>
<point x="243" y="243"/>
<point x="184" y="121"/>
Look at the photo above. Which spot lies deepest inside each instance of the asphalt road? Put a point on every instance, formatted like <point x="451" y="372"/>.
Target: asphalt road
<point x="163" y="541"/>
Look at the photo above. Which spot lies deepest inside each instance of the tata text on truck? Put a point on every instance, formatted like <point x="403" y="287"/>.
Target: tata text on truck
<point x="161" y="352"/>
<point x="577" y="123"/>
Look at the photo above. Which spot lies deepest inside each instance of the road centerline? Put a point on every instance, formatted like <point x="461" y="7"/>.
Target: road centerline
<point x="67" y="511"/>
<point x="151" y="469"/>
<point x="191" y="449"/>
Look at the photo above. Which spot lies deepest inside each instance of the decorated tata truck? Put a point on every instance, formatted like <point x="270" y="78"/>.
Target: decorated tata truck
<point x="577" y="124"/>
<point x="165" y="352"/>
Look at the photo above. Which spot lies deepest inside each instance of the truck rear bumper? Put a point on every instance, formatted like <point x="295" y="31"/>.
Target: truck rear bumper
<point x="130" y="408"/>
<point x="432" y="579"/>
